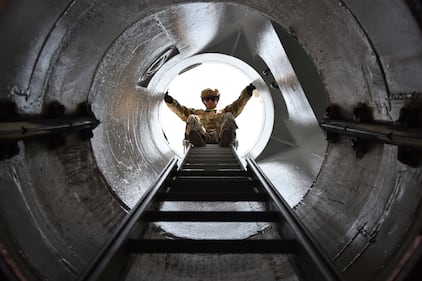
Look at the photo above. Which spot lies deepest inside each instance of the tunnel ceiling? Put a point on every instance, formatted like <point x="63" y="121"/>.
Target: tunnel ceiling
<point x="365" y="212"/>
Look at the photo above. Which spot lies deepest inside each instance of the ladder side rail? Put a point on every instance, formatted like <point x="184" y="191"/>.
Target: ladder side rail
<point x="238" y="158"/>
<point x="183" y="160"/>
<point x="320" y="261"/>
<point x="113" y="259"/>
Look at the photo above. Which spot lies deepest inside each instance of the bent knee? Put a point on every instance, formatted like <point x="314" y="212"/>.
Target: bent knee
<point x="192" y="118"/>
<point x="228" y="115"/>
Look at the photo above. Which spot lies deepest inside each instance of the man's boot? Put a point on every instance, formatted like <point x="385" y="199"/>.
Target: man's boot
<point x="193" y="126"/>
<point x="228" y="130"/>
<point x="226" y="138"/>
<point x="196" y="139"/>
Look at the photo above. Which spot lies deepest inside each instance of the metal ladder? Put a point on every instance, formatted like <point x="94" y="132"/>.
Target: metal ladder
<point x="211" y="174"/>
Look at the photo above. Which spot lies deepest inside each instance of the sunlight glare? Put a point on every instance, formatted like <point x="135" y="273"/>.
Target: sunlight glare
<point x="230" y="81"/>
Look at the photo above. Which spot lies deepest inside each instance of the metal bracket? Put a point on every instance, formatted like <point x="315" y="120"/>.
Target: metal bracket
<point x="406" y="133"/>
<point x="410" y="117"/>
<point x="53" y="126"/>
<point x="363" y="114"/>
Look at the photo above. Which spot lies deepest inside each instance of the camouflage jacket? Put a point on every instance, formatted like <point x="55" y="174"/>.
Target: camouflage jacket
<point x="210" y="118"/>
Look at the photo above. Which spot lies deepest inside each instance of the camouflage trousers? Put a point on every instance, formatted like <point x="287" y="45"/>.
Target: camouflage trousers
<point x="212" y="135"/>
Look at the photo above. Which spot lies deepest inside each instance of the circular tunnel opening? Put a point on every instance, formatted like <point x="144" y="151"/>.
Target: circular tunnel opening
<point x="184" y="80"/>
<point x="230" y="76"/>
<point x="134" y="142"/>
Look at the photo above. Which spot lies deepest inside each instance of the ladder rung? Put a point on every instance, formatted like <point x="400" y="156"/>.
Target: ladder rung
<point x="205" y="188"/>
<point x="210" y="183"/>
<point x="212" y="152"/>
<point x="211" y="147"/>
<point x="214" y="161"/>
<point x="211" y="196"/>
<point x="211" y="155"/>
<point x="213" y="169"/>
<point x="226" y="173"/>
<point x="218" y="178"/>
<point x="210" y="166"/>
<point x="276" y="246"/>
<point x="239" y="216"/>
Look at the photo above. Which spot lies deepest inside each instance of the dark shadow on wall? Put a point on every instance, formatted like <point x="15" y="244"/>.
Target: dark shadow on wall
<point x="305" y="70"/>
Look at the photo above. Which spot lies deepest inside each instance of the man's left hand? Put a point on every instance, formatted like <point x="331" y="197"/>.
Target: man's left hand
<point x="250" y="88"/>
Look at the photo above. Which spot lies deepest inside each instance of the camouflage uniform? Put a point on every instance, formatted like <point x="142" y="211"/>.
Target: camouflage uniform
<point x="210" y="123"/>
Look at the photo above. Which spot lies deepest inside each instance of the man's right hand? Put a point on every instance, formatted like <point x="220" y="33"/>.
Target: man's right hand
<point x="168" y="98"/>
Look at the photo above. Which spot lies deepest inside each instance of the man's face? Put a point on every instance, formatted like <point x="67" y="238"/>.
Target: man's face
<point x="210" y="102"/>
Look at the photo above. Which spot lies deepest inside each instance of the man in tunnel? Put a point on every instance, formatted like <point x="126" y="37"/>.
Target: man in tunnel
<point x="211" y="125"/>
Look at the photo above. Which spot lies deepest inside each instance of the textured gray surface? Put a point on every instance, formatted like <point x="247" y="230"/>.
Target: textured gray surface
<point x="365" y="212"/>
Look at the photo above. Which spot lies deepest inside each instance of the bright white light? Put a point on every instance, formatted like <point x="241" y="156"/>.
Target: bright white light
<point x="230" y="81"/>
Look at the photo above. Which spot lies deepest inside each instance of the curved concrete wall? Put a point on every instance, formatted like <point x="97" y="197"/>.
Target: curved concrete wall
<point x="58" y="206"/>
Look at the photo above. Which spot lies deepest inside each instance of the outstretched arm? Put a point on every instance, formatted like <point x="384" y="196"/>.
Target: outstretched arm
<point x="238" y="105"/>
<point x="182" y="111"/>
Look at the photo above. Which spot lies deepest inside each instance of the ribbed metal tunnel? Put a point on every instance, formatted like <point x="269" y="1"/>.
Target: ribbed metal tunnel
<point x="58" y="206"/>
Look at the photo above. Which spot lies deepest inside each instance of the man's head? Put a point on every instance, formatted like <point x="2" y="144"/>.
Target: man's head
<point x="210" y="98"/>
